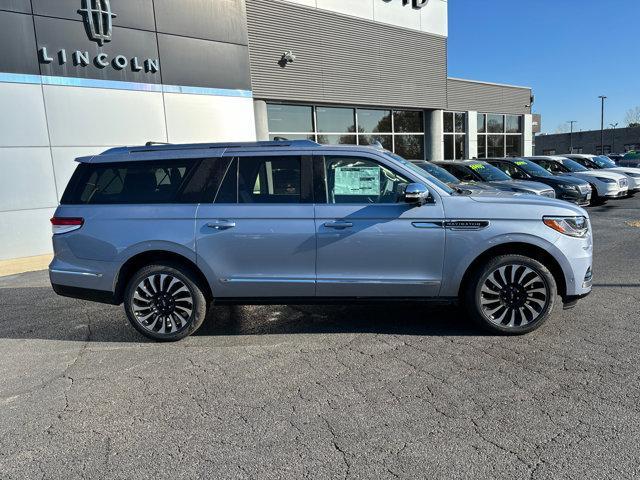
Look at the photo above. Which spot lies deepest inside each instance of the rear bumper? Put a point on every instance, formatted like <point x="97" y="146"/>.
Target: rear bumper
<point x="100" y="296"/>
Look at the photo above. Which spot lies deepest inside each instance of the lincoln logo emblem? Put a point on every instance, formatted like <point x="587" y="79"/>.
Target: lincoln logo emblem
<point x="98" y="19"/>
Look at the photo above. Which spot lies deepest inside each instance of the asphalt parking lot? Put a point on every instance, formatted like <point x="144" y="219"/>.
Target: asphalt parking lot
<point x="327" y="392"/>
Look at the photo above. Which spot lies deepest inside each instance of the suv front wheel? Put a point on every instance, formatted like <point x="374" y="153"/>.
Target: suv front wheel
<point x="511" y="294"/>
<point x="165" y="302"/>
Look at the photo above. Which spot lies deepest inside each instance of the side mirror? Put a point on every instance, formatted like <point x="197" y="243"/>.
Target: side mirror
<point x="416" y="193"/>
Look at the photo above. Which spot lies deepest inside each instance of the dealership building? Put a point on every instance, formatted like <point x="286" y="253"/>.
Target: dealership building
<point x="80" y="76"/>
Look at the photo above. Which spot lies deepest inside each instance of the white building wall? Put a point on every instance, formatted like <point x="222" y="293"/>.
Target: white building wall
<point x="431" y="18"/>
<point x="43" y="128"/>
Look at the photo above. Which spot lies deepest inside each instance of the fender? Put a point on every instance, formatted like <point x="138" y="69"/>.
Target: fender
<point x="456" y="265"/>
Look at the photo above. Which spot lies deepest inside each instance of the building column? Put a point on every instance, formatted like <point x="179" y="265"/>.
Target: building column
<point x="527" y="135"/>
<point x="471" y="138"/>
<point x="434" y="140"/>
<point x="261" y="120"/>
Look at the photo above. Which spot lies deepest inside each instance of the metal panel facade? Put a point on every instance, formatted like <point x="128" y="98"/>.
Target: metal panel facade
<point x="203" y="42"/>
<point x="341" y="59"/>
<point x="465" y="95"/>
<point x="220" y="20"/>
<point x="17" y="44"/>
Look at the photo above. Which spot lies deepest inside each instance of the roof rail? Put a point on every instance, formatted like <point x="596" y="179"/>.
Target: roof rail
<point x="152" y="143"/>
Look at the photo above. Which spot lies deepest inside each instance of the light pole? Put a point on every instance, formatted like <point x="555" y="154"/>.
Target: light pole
<point x="613" y="143"/>
<point x="571" y="122"/>
<point x="603" y="98"/>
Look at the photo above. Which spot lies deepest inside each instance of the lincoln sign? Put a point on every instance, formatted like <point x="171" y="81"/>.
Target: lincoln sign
<point x="82" y="59"/>
<point x="98" y="22"/>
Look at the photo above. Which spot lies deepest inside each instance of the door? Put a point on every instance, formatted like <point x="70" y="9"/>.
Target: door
<point x="257" y="237"/>
<point x="371" y="243"/>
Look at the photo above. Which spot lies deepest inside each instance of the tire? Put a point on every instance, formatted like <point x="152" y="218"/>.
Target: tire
<point x="165" y="302"/>
<point x="596" y="199"/>
<point x="516" y="306"/>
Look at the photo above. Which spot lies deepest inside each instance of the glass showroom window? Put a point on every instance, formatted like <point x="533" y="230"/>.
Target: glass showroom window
<point x="400" y="131"/>
<point x="454" y="135"/>
<point x="499" y="135"/>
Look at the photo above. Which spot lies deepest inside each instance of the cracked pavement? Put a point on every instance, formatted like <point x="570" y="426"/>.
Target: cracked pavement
<point x="327" y="392"/>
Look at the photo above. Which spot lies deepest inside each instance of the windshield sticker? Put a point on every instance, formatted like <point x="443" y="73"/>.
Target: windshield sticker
<point x="477" y="166"/>
<point x="357" y="181"/>
<point x="520" y="163"/>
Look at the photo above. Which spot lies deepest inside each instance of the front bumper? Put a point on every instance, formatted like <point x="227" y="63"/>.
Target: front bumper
<point x="579" y="198"/>
<point x="578" y="264"/>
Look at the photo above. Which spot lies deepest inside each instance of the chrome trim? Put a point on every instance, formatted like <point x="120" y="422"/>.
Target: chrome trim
<point x="267" y="280"/>
<point x="427" y="224"/>
<point x="72" y="272"/>
<point x="380" y="282"/>
<point x="466" y="224"/>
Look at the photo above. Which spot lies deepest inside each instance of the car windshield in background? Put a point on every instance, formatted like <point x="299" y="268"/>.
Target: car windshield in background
<point x="438" y="172"/>
<point x="533" y="169"/>
<point x="419" y="171"/>
<point x="574" y="166"/>
<point x="604" y="162"/>
<point x="489" y="173"/>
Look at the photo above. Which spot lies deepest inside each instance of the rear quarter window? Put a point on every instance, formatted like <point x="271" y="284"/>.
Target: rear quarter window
<point x="132" y="183"/>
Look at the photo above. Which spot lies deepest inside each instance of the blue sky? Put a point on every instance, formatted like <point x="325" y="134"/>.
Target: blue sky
<point x="569" y="51"/>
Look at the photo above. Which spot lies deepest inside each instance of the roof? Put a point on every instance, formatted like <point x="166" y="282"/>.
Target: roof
<point x="158" y="151"/>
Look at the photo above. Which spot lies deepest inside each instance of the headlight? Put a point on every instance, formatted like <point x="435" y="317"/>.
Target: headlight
<point x="634" y="175"/>
<point x="572" y="226"/>
<point x="572" y="188"/>
<point x="606" y="180"/>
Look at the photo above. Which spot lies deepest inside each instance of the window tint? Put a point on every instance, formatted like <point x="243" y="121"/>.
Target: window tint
<point x="464" y="174"/>
<point x="269" y="180"/>
<point x="360" y="180"/>
<point x="135" y="182"/>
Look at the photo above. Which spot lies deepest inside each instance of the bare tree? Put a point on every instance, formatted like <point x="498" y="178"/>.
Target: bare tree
<point x="562" y="128"/>
<point x="632" y="118"/>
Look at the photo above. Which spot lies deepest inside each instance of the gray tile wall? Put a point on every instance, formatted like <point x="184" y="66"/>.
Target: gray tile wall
<point x="342" y="59"/>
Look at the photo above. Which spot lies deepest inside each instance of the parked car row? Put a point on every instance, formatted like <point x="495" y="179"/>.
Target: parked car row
<point x="580" y="179"/>
<point x="629" y="159"/>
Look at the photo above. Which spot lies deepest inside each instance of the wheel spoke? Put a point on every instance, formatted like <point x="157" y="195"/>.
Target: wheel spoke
<point x="163" y="304"/>
<point x="513" y="296"/>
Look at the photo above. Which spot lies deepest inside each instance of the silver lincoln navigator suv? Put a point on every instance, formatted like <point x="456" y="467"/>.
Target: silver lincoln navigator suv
<point x="169" y="229"/>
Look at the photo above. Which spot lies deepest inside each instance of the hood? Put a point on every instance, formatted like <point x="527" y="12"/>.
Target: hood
<point x="560" y="180"/>
<point x="623" y="170"/>
<point x="598" y="173"/>
<point x="548" y="206"/>
<point x="520" y="185"/>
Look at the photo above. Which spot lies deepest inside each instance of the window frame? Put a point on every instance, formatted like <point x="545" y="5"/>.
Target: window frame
<point x="306" y="177"/>
<point x="320" y="178"/>
<point x="316" y="135"/>
<point x="72" y="193"/>
<point x="454" y="134"/>
<point x="483" y="137"/>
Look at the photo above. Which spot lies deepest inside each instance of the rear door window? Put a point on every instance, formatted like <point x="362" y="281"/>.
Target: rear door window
<point x="263" y="180"/>
<point x="129" y="183"/>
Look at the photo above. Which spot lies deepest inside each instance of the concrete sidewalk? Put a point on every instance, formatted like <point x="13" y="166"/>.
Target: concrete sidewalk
<point x="26" y="264"/>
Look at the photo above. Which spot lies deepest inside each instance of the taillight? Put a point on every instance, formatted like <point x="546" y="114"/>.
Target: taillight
<point x="65" y="225"/>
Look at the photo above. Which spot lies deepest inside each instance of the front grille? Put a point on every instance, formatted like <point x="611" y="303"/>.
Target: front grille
<point x="624" y="183"/>
<point x="548" y="194"/>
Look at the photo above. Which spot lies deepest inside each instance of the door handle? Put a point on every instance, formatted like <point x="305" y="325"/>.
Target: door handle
<point x="221" y="224"/>
<point x="338" y="225"/>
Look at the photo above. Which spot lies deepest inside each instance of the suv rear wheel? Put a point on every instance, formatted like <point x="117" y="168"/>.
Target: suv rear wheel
<point x="165" y="302"/>
<point x="511" y="294"/>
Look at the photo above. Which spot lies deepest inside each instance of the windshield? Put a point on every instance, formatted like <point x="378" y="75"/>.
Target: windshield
<point x="489" y="173"/>
<point x="604" y="162"/>
<point x="533" y="169"/>
<point x="574" y="166"/>
<point x="419" y="171"/>
<point x="438" y="172"/>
